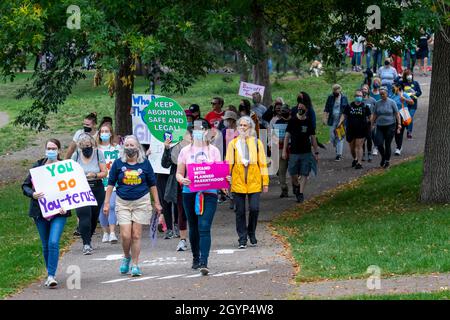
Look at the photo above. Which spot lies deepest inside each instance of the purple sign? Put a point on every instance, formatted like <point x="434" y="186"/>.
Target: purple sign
<point x="205" y="176"/>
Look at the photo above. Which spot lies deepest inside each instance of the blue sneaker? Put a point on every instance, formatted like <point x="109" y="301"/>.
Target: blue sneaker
<point x="135" y="271"/>
<point x="125" y="266"/>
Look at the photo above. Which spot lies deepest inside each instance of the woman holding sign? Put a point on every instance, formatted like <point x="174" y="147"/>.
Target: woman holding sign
<point x="50" y="230"/>
<point x="200" y="207"/>
<point x="133" y="177"/>
<point x="249" y="176"/>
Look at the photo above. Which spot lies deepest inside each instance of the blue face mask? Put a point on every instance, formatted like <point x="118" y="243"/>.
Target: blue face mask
<point x="359" y="99"/>
<point x="197" y="135"/>
<point x="105" y="137"/>
<point x="51" y="154"/>
<point x="189" y="123"/>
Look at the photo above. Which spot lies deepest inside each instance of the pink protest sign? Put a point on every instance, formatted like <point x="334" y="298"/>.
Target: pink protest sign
<point x="205" y="176"/>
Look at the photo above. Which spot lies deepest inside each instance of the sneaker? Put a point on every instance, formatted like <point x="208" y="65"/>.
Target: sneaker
<point x="168" y="234"/>
<point x="125" y="266"/>
<point x="176" y="231"/>
<point x="113" y="238"/>
<point x="105" y="237"/>
<point x="242" y="246"/>
<point x="77" y="233"/>
<point x="354" y="162"/>
<point x="253" y="240"/>
<point x="375" y="151"/>
<point x="369" y="158"/>
<point x="136" y="271"/>
<point x="204" y="270"/>
<point x="300" y="197"/>
<point x="358" y="166"/>
<point x="338" y="158"/>
<point x="382" y="163"/>
<point x="409" y="136"/>
<point x="87" y="250"/>
<point x="284" y="194"/>
<point x="182" y="246"/>
<point x="386" y="164"/>
<point x="51" y="282"/>
<point x="195" y="264"/>
<point x="398" y="151"/>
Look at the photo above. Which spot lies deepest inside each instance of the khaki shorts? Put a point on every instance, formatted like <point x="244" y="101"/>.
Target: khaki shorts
<point x="139" y="211"/>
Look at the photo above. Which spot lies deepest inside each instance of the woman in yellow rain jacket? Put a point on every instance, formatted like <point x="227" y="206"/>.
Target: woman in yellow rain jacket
<point x="249" y="176"/>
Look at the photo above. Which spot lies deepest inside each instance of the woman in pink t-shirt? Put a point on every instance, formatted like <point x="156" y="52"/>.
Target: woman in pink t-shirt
<point x="200" y="207"/>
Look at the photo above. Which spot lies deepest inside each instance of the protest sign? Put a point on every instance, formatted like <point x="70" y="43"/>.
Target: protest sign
<point x="140" y="129"/>
<point x="246" y="89"/>
<point x="157" y="151"/>
<point x="165" y="118"/>
<point x="205" y="176"/>
<point x="64" y="186"/>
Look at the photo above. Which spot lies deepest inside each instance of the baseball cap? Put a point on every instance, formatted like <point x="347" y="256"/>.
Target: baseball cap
<point x="188" y="113"/>
<point x="230" y="115"/>
<point x="194" y="108"/>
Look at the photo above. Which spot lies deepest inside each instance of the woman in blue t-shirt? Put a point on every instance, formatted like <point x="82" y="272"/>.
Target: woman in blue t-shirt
<point x="133" y="177"/>
<point x="403" y="100"/>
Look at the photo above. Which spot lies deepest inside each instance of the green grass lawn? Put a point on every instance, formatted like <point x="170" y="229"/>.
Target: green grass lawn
<point x="20" y="247"/>
<point x="86" y="98"/>
<point x="378" y="221"/>
<point x="440" y="295"/>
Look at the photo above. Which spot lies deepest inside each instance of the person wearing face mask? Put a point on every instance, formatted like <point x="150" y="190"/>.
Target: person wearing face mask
<point x="403" y="100"/>
<point x="387" y="74"/>
<point x="189" y="117"/>
<point x="93" y="163"/>
<point x="249" y="177"/>
<point x="111" y="152"/>
<point x="278" y="132"/>
<point x="273" y="110"/>
<point x="357" y="116"/>
<point x="245" y="110"/>
<point x="412" y="88"/>
<point x="375" y="92"/>
<point x="276" y="110"/>
<point x="300" y="134"/>
<point x="134" y="179"/>
<point x="259" y="109"/>
<point x="50" y="229"/>
<point x="89" y="127"/>
<point x="370" y="102"/>
<point x="334" y="107"/>
<point x="200" y="207"/>
<point x="230" y="130"/>
<point x="386" y="118"/>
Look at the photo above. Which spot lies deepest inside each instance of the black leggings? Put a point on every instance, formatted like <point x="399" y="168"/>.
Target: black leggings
<point x="383" y="140"/>
<point x="369" y="138"/>
<point x="161" y="182"/>
<point x="88" y="216"/>
<point x="399" y="137"/>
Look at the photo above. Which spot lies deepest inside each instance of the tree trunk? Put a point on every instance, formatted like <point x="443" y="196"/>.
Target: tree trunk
<point x="436" y="166"/>
<point x="123" y="91"/>
<point x="242" y="66"/>
<point x="260" y="69"/>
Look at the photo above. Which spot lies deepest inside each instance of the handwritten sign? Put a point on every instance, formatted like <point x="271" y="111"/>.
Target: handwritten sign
<point x="64" y="186"/>
<point x="205" y="176"/>
<point x="247" y="89"/>
<point x="140" y="129"/>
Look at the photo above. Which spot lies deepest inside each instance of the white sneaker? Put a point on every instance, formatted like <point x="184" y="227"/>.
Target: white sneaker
<point x="182" y="246"/>
<point x="113" y="238"/>
<point x="51" y="282"/>
<point x="398" y="152"/>
<point x="105" y="237"/>
<point x="375" y="151"/>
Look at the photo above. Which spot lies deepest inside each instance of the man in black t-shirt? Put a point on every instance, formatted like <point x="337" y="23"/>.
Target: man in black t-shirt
<point x="301" y="132"/>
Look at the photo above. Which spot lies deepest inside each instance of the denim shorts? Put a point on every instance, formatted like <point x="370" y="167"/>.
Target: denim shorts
<point x="300" y="164"/>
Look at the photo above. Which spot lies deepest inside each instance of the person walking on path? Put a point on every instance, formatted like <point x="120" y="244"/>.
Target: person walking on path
<point x="334" y="107"/>
<point x="387" y="121"/>
<point x="370" y="102"/>
<point x="50" y="229"/>
<point x="94" y="166"/>
<point x="301" y="133"/>
<point x="89" y="127"/>
<point x="403" y="100"/>
<point x="357" y="118"/>
<point x="134" y="179"/>
<point x="249" y="177"/>
<point x="278" y="133"/>
<point x="412" y="88"/>
<point x="200" y="207"/>
<point x="111" y="151"/>
<point x="387" y="74"/>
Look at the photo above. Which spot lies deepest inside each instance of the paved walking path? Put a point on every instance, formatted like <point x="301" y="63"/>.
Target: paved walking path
<point x="262" y="272"/>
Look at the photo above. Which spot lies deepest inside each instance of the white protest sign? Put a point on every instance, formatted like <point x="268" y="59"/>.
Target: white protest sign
<point x="157" y="151"/>
<point x="64" y="186"/>
<point x="247" y="89"/>
<point x="140" y="129"/>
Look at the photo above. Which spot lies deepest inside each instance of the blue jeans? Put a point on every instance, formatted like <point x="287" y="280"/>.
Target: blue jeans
<point x="50" y="233"/>
<point x="106" y="221"/>
<point x="368" y="58"/>
<point x="376" y="56"/>
<point x="356" y="59"/>
<point x="412" y="112"/>
<point x="338" y="144"/>
<point x="200" y="226"/>
<point x="242" y="229"/>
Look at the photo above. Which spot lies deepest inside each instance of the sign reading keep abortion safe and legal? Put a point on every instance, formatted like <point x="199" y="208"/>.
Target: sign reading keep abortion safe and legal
<point x="64" y="185"/>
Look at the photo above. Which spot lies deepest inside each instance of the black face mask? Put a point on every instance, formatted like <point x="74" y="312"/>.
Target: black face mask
<point x="87" y="129"/>
<point x="87" y="152"/>
<point x="336" y="94"/>
<point x="301" y="112"/>
<point x="131" y="152"/>
<point x="386" y="63"/>
<point x="284" y="114"/>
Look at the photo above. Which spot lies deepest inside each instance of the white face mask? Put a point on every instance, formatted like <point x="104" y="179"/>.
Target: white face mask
<point x="409" y="78"/>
